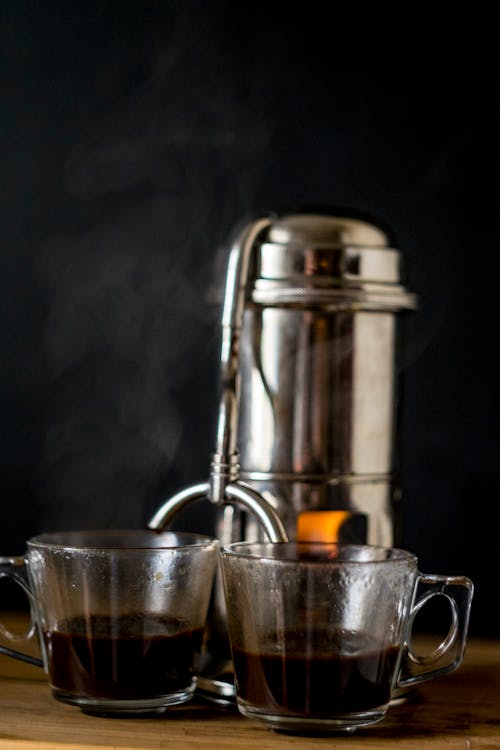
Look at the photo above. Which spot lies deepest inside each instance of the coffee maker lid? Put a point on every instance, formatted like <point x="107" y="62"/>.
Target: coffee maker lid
<point x="315" y="258"/>
<point x="326" y="229"/>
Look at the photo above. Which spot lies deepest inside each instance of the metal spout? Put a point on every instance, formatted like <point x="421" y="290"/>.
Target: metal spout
<point x="224" y="486"/>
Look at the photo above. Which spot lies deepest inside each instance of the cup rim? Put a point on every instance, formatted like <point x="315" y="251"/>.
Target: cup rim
<point x="380" y="554"/>
<point x="88" y="540"/>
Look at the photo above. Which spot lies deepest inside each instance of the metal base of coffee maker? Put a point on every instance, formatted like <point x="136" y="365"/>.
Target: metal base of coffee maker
<point x="215" y="683"/>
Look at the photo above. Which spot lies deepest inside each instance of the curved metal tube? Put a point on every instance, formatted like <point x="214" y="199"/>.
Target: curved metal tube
<point x="242" y="493"/>
<point x="224" y="468"/>
<point x="167" y="511"/>
<point x="232" y="321"/>
<point x="254" y="502"/>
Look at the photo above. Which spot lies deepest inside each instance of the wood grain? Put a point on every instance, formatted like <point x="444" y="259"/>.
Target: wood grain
<point x="459" y="711"/>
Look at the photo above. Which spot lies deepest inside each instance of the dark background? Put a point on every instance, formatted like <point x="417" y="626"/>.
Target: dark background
<point x="133" y="137"/>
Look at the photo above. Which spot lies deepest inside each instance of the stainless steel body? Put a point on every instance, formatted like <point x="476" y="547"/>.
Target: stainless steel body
<point x="306" y="427"/>
<point x="317" y="372"/>
<point x="317" y="412"/>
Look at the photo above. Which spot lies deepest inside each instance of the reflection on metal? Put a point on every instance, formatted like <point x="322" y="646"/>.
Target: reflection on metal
<point x="308" y="367"/>
<point x="237" y="492"/>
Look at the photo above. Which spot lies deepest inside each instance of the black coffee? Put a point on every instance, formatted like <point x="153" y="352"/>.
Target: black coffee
<point x="333" y="674"/>
<point x="134" y="656"/>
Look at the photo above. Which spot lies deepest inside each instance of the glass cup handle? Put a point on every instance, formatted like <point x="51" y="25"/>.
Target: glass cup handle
<point x="15" y="568"/>
<point x="458" y="591"/>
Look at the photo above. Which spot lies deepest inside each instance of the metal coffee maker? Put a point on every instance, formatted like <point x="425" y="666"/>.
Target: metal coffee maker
<point x="305" y="442"/>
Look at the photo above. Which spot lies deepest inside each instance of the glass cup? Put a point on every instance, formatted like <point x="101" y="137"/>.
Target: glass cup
<point x="119" y="615"/>
<point x="321" y="634"/>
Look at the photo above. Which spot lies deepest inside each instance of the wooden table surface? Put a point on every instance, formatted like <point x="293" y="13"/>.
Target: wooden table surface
<point x="461" y="710"/>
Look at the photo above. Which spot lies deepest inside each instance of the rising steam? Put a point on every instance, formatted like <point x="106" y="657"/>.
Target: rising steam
<point x="133" y="320"/>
